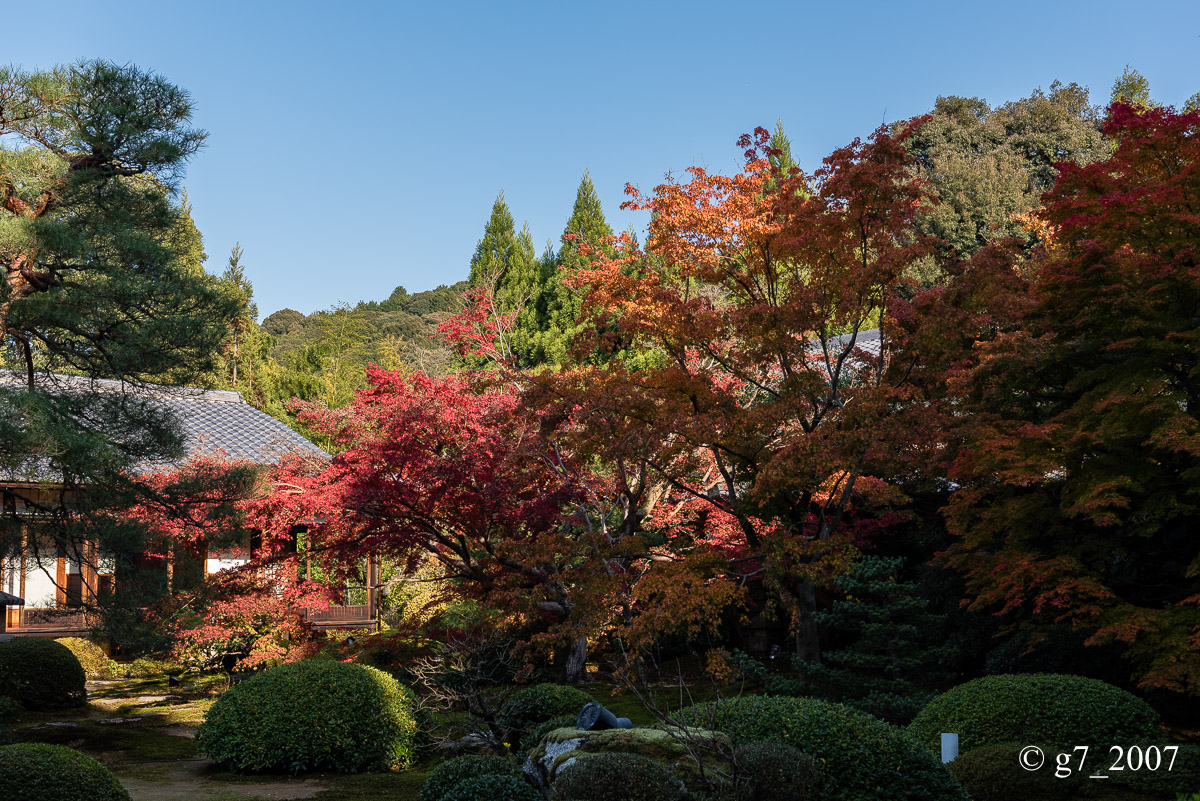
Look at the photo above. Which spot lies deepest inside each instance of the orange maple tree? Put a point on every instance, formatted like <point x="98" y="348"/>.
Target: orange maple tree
<point x="750" y="363"/>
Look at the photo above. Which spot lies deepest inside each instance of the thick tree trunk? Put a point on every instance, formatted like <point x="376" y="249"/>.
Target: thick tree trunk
<point x="808" y="643"/>
<point x="576" y="661"/>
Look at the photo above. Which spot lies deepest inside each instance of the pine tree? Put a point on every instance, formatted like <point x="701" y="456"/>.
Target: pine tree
<point x="891" y="647"/>
<point x="558" y="304"/>
<point x="505" y="264"/>
<point x="781" y="159"/>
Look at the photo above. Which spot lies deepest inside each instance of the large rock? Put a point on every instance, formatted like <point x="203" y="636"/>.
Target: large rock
<point x="669" y="747"/>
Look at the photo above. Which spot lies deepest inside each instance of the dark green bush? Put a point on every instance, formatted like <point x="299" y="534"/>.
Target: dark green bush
<point x="41" y="674"/>
<point x="530" y="741"/>
<point x="993" y="773"/>
<point x="446" y="775"/>
<point x="312" y="716"/>
<point x="777" y="772"/>
<point x="95" y="663"/>
<point x="1037" y="707"/>
<point x="39" y="772"/>
<point x="537" y="704"/>
<point x="615" y="776"/>
<point x="494" y="787"/>
<point x="10" y="713"/>
<point x="867" y="758"/>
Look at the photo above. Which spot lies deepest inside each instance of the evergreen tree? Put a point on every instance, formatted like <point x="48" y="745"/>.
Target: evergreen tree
<point x="558" y="304"/>
<point x="505" y="264"/>
<point x="1133" y="88"/>
<point x="100" y="277"/>
<point x="892" y="648"/>
<point x="782" y="157"/>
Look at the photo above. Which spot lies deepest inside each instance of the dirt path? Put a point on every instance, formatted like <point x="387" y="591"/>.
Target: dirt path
<point x="186" y="781"/>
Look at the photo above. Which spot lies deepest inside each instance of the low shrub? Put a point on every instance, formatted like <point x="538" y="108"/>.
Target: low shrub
<point x="95" y="663"/>
<point x="616" y="777"/>
<point x="537" y="704"/>
<point x="993" y="773"/>
<point x="867" y="756"/>
<point x="443" y="778"/>
<point x="308" y="716"/>
<point x="494" y="787"/>
<point x="777" y="772"/>
<point x="1037" y="707"/>
<point x="148" y="668"/>
<point x="41" y="674"/>
<point x="39" y="772"/>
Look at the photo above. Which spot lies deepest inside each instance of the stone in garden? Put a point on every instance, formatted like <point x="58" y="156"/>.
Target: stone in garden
<point x="562" y="747"/>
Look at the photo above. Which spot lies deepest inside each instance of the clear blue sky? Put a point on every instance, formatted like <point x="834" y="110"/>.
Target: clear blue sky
<point x="357" y="146"/>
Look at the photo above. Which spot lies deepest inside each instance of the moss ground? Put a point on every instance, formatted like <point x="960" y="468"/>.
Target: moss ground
<point x="143" y="730"/>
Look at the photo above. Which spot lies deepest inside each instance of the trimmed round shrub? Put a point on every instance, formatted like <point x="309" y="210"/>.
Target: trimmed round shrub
<point x="615" y="776"/>
<point x="308" y="716"/>
<point x="95" y="663"/>
<point x="40" y="772"/>
<point x="41" y="674"/>
<point x="537" y="704"/>
<point x="777" y="772"/>
<point x="992" y="773"/>
<point x="448" y="774"/>
<point x="494" y="787"/>
<point x="868" y="758"/>
<point x="530" y="741"/>
<point x="1036" y="708"/>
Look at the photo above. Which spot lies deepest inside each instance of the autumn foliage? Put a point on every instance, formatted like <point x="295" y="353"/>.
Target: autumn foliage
<point x="1078" y="484"/>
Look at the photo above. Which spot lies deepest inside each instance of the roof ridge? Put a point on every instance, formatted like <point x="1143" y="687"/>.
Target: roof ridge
<point x="15" y="378"/>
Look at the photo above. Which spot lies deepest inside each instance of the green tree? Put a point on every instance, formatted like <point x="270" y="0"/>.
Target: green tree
<point x="504" y="263"/>
<point x="781" y="159"/>
<point x="890" y="646"/>
<point x="988" y="167"/>
<point x="1132" y="88"/>
<point x="99" y="277"/>
<point x="559" y="304"/>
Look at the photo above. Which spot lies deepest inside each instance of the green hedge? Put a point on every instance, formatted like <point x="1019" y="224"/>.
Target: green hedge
<point x="95" y="663"/>
<point x="493" y="787"/>
<point x="866" y="758"/>
<point x="769" y="771"/>
<point x="993" y="773"/>
<point x="537" y="704"/>
<point x="312" y="716"/>
<point x="1037" y="708"/>
<point x="41" y="674"/>
<point x="39" y="772"/>
<point x="443" y="778"/>
<point x="615" y="776"/>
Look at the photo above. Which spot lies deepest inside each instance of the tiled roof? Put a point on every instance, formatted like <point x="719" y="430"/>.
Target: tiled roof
<point x="214" y="422"/>
<point x="867" y="340"/>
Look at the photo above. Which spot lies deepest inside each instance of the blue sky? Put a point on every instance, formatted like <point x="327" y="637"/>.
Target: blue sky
<point x="358" y="146"/>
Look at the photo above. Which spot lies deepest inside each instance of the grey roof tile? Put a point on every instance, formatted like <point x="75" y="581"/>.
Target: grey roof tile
<point x="214" y="422"/>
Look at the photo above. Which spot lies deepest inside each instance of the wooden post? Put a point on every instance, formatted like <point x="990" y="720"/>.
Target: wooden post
<point x="373" y="588"/>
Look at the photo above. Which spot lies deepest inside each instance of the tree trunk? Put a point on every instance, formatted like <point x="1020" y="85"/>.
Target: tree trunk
<point x="808" y="643"/>
<point x="576" y="659"/>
